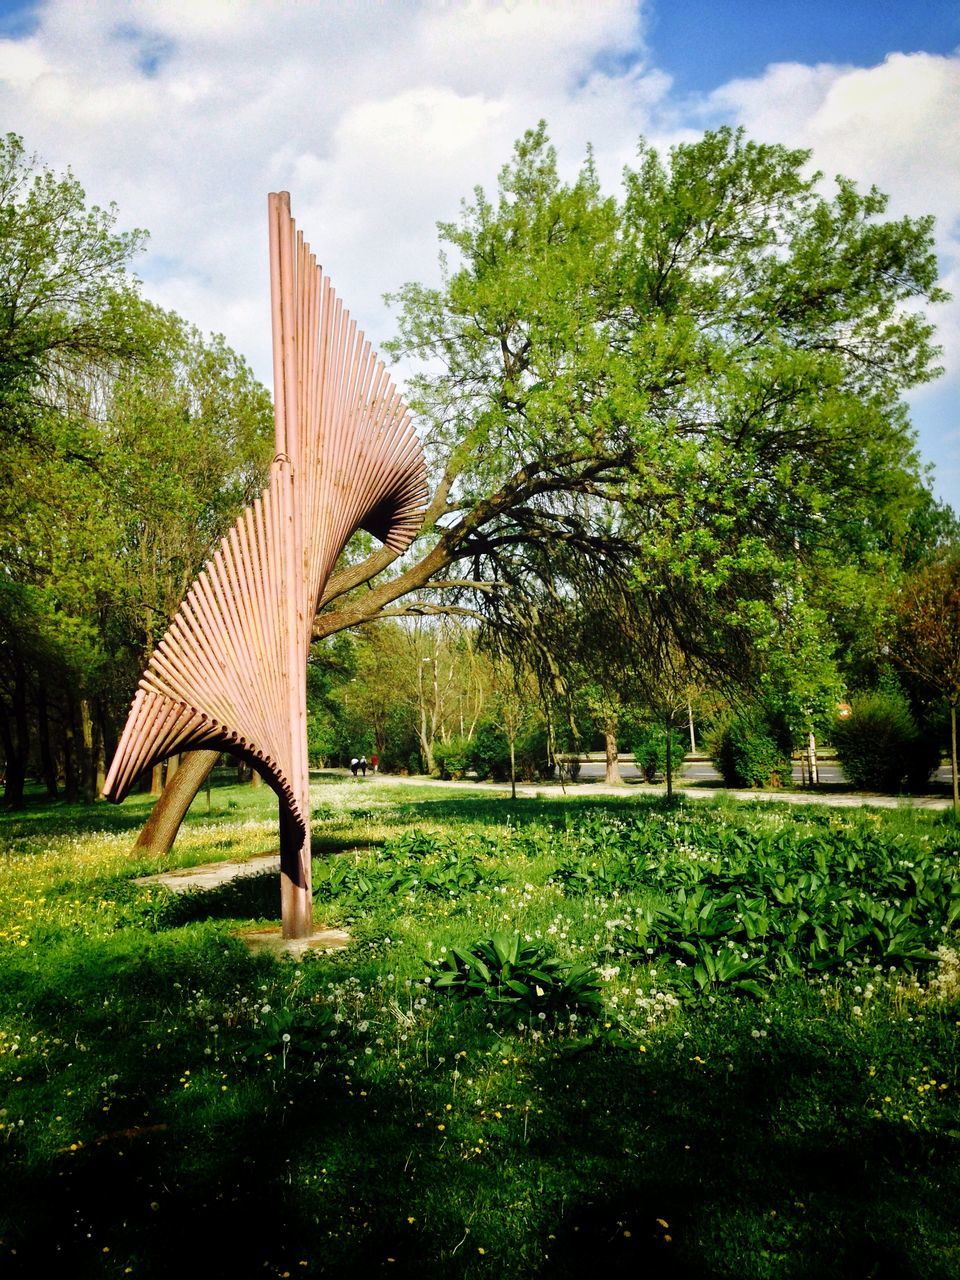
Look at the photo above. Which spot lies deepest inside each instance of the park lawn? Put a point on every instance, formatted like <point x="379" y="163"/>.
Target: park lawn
<point x="746" y="1063"/>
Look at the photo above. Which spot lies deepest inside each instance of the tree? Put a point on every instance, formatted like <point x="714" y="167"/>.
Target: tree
<point x="696" y="386"/>
<point x="927" y="638"/>
<point x="66" y="302"/>
<point x="127" y="445"/>
<point x="65" y="293"/>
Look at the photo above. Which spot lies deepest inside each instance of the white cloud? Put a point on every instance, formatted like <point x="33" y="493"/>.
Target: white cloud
<point x="380" y="117"/>
<point x="893" y="125"/>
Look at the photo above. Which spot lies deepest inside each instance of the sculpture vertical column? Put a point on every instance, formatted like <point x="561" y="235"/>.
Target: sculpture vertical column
<point x="296" y="900"/>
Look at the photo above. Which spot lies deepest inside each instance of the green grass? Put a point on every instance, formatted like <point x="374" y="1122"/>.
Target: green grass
<point x="342" y="1117"/>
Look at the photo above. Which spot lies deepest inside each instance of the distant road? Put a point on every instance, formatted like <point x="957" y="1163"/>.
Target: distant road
<point x="703" y="771"/>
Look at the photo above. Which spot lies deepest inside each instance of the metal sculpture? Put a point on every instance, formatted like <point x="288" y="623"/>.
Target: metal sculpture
<point x="230" y="672"/>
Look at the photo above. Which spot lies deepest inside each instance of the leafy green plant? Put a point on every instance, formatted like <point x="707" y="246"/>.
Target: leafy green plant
<point x="649" y="747"/>
<point x="336" y="879"/>
<point x="752" y="750"/>
<point x="880" y="746"/>
<point x="516" y="978"/>
<point x="452" y="759"/>
<point x="489" y="754"/>
<point x="415" y="844"/>
<point x="454" y="875"/>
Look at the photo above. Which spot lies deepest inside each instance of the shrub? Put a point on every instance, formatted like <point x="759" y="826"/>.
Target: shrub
<point x="533" y="755"/>
<point x="490" y="752"/>
<point x="452" y="759"/>
<point x="880" y="746"/>
<point x="752" y="750"/>
<point x="399" y="749"/>
<point x="649" y="746"/>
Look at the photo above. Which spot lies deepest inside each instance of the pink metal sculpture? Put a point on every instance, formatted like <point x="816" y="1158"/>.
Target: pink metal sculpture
<point x="230" y="672"/>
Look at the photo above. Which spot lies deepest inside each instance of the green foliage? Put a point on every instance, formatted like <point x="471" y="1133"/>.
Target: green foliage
<point x="400" y="749"/>
<point x="490" y="752"/>
<point x="752" y="749"/>
<point x="159" y="1069"/>
<point x="64" y="290"/>
<point x="730" y="334"/>
<point x="412" y="863"/>
<point x="128" y="444"/>
<point x="742" y="906"/>
<point x="880" y="746"/>
<point x="533" y="754"/>
<point x="649" y="746"/>
<point x="452" y="758"/>
<point x="517" y="979"/>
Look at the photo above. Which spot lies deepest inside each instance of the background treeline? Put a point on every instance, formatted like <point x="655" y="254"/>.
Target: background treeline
<point x="428" y="697"/>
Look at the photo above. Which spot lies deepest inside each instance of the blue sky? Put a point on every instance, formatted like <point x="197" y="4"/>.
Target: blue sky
<point x="379" y="117"/>
<point x="703" y="43"/>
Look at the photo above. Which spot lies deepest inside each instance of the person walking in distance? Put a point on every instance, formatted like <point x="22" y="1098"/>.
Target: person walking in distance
<point x="354" y="766"/>
<point x="363" y="765"/>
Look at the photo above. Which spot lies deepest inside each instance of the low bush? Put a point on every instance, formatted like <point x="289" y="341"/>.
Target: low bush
<point x="451" y="759"/>
<point x="490" y="752"/>
<point x="880" y="747"/>
<point x="752" y="750"/>
<point x="649" y="747"/>
<point x="533" y="755"/>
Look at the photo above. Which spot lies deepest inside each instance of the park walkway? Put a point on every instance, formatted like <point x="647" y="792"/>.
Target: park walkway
<point x="554" y="791"/>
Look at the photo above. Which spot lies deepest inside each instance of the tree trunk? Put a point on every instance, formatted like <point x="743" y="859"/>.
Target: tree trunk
<point x="71" y="789"/>
<point x="669" y="745"/>
<point x="99" y="756"/>
<point x="14" y="769"/>
<point x="47" y="765"/>
<point x="156" y="779"/>
<point x="160" y="829"/>
<point x="613" y="776"/>
<point x="108" y="744"/>
<point x="812" y="770"/>
<point x="16" y="744"/>
<point x="953" y="758"/>
<point x="426" y="741"/>
<point x="88" y="767"/>
<point x="513" y="770"/>
<point x="255" y="779"/>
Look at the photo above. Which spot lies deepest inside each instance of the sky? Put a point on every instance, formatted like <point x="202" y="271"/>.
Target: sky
<point x="379" y="117"/>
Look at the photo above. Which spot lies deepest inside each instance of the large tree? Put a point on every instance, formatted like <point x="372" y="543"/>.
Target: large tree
<point x="697" y="385"/>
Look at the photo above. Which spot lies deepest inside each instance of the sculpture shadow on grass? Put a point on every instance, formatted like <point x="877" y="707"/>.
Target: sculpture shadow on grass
<point x="252" y="897"/>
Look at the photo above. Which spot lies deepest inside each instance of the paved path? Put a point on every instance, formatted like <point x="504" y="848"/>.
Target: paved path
<point x="212" y="874"/>
<point x="553" y="791"/>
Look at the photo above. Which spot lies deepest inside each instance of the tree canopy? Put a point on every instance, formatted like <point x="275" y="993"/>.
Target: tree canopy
<point x="691" y="393"/>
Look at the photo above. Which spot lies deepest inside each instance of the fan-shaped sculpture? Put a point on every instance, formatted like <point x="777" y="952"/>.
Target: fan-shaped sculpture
<point x="230" y="672"/>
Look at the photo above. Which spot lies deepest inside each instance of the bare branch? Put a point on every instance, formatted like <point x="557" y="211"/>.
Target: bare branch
<point x="413" y="610"/>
